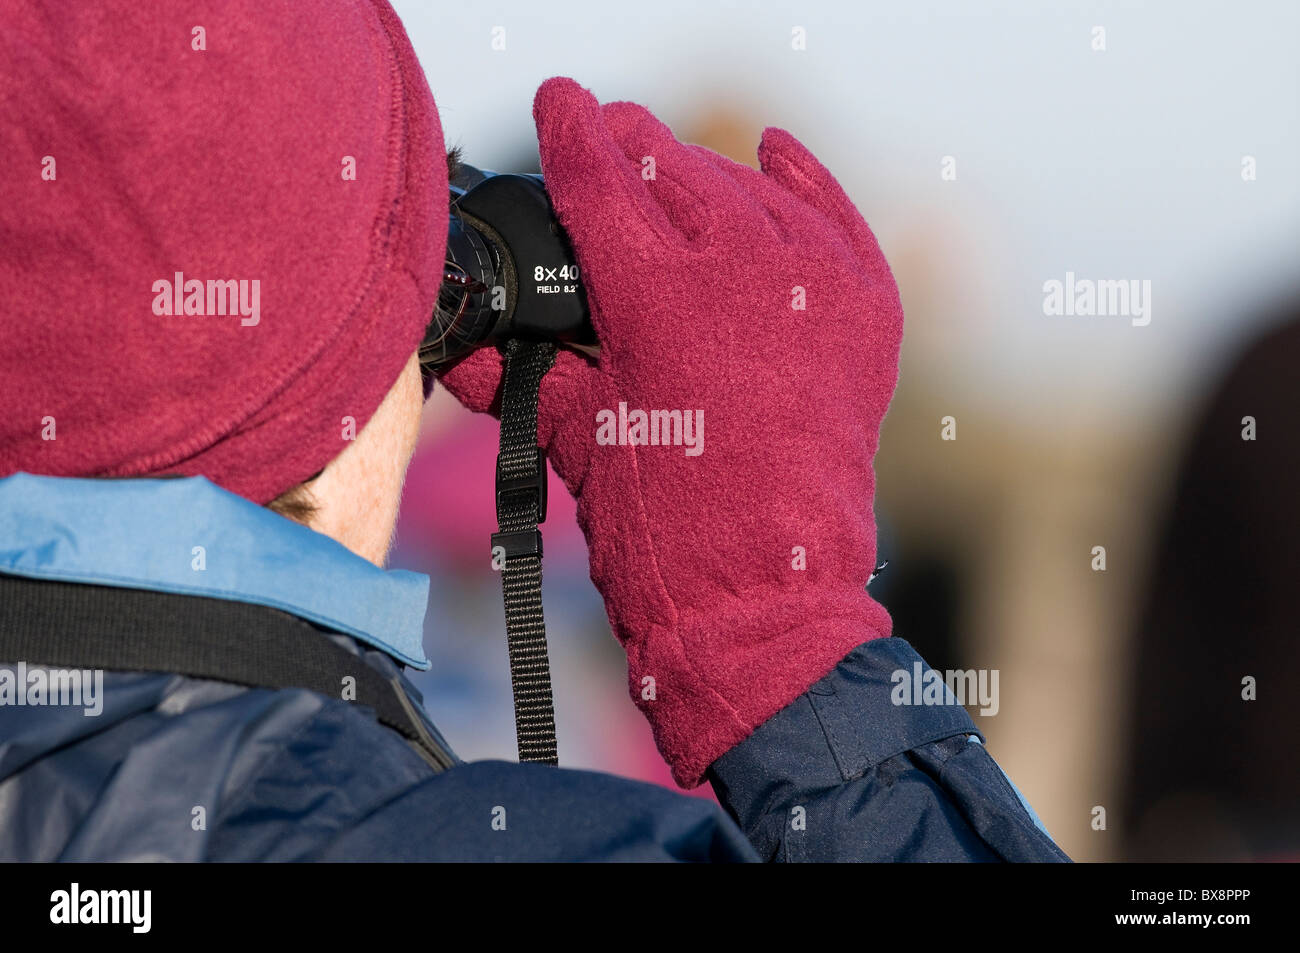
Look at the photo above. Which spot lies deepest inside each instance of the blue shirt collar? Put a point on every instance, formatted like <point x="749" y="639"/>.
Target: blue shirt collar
<point x="189" y="536"/>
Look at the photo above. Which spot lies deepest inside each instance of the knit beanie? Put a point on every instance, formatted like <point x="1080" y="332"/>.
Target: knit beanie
<point x="221" y="234"/>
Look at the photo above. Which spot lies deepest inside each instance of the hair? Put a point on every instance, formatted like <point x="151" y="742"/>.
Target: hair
<point x="297" y="502"/>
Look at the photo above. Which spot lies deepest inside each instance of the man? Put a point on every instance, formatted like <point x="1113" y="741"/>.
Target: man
<point x="219" y="261"/>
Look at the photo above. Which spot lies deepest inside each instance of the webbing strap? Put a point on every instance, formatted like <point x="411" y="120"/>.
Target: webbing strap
<point x="521" y="506"/>
<point x="75" y="625"/>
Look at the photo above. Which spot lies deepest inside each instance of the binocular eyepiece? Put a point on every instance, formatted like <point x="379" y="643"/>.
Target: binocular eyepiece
<point x="509" y="270"/>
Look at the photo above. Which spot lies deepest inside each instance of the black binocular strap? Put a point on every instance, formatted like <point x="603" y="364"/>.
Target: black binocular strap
<point x="73" y="625"/>
<point x="521" y="506"/>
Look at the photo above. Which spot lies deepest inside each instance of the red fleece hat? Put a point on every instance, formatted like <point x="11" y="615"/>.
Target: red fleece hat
<point x="284" y="159"/>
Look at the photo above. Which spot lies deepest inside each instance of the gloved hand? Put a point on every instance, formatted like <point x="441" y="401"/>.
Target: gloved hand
<point x="761" y="302"/>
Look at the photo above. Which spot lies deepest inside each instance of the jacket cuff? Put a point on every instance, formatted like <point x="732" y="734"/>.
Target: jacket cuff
<point x="707" y="683"/>
<point x="853" y="719"/>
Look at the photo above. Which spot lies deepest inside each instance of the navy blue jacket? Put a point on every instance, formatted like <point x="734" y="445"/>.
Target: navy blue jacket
<point x="186" y="769"/>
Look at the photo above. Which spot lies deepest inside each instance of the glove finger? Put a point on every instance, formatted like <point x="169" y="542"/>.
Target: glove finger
<point x="568" y="391"/>
<point x="475" y="380"/>
<point x="788" y="161"/>
<point x="598" y="194"/>
<point x="694" y="193"/>
<point x="571" y="393"/>
<point x="786" y="215"/>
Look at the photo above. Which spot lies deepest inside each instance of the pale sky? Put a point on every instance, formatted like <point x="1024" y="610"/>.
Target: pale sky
<point x="1122" y="164"/>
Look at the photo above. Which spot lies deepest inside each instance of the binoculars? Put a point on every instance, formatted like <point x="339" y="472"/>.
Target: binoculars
<point x="509" y="270"/>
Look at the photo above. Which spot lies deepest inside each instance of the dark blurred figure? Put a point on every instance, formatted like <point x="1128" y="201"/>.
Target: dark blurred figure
<point x="1214" y="776"/>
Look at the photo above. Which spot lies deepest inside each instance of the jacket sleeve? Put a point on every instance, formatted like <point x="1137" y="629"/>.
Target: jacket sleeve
<point x="844" y="773"/>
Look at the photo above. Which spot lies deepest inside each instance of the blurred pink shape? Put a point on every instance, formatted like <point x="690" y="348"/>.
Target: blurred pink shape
<point x="450" y="498"/>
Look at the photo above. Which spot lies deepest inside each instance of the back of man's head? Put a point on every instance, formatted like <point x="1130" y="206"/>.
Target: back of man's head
<point x="221" y="234"/>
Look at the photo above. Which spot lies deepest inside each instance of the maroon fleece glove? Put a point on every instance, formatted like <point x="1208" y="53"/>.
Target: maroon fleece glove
<point x="733" y="558"/>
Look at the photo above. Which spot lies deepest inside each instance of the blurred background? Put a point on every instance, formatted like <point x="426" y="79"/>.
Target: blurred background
<point x="993" y="147"/>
